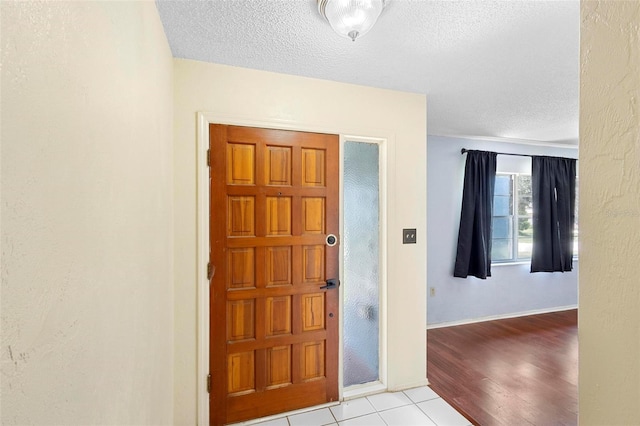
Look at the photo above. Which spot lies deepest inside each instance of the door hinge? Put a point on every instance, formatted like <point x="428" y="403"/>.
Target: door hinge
<point x="208" y="158"/>
<point x="209" y="271"/>
<point x="208" y="383"/>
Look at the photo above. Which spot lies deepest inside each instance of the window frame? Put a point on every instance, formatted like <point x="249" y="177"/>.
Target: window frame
<point x="514" y="221"/>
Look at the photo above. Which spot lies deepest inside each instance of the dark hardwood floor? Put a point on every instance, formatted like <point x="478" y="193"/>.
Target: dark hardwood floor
<point x="519" y="371"/>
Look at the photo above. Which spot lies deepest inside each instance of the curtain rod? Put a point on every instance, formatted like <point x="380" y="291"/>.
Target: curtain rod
<point x="464" y="150"/>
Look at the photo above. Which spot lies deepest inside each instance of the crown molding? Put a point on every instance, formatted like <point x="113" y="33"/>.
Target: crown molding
<point x="569" y="144"/>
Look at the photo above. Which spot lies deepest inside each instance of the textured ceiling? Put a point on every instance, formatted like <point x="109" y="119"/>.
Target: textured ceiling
<point x="496" y="69"/>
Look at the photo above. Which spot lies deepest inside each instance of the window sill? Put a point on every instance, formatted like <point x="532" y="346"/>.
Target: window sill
<point x="520" y="262"/>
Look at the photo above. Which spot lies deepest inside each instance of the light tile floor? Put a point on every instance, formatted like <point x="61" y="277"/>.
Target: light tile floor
<point x="418" y="406"/>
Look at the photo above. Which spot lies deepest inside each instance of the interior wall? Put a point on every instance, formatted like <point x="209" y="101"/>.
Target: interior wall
<point x="87" y="276"/>
<point x="317" y="105"/>
<point x="609" y="318"/>
<point x="512" y="289"/>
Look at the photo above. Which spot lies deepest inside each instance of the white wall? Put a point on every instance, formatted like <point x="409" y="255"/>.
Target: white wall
<point x="512" y="289"/>
<point x="315" y="105"/>
<point x="609" y="316"/>
<point x="87" y="276"/>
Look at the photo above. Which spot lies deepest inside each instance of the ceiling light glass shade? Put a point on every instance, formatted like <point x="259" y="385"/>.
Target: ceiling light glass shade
<point x="351" y="18"/>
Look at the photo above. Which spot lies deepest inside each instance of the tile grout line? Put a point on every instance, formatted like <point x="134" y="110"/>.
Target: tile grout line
<point x="378" y="412"/>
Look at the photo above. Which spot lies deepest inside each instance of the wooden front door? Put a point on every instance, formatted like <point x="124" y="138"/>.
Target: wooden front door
<point x="274" y="330"/>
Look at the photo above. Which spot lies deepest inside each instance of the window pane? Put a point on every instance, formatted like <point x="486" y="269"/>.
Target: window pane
<point x="512" y="223"/>
<point x="501" y="249"/>
<point x="525" y="210"/>
<point x="503" y="185"/>
<point x="575" y="225"/>
<point x="525" y="237"/>
<point x="523" y="185"/>
<point x="361" y="260"/>
<point x="502" y="227"/>
<point x="502" y="238"/>
<point x="501" y="205"/>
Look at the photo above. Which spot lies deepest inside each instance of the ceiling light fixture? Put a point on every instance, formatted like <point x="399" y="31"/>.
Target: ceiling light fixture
<point x="351" y="18"/>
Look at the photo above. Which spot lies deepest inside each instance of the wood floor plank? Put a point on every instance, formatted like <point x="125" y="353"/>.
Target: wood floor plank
<point x="520" y="371"/>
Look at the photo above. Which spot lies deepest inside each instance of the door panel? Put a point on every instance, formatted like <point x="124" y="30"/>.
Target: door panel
<point x="274" y="332"/>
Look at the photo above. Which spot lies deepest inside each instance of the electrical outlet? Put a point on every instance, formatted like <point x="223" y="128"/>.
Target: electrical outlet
<point x="432" y="291"/>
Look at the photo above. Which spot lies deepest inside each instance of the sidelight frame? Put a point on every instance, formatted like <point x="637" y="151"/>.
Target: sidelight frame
<point x="379" y="385"/>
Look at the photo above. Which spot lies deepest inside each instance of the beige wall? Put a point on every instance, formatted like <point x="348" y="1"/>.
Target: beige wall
<point x="311" y="105"/>
<point x="87" y="276"/>
<point x="86" y="209"/>
<point x="609" y="322"/>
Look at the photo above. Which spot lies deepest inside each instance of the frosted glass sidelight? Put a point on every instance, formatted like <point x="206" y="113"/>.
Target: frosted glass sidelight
<point x="361" y="263"/>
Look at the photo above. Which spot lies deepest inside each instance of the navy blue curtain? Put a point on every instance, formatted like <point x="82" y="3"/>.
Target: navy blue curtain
<point x="473" y="256"/>
<point x="553" y="185"/>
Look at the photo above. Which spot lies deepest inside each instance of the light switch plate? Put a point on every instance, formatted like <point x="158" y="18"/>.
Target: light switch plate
<point x="409" y="236"/>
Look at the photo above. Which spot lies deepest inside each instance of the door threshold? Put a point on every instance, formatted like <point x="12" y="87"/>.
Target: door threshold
<point x="358" y="391"/>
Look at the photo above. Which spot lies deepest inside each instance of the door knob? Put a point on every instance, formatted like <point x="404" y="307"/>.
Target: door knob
<point x="331" y="283"/>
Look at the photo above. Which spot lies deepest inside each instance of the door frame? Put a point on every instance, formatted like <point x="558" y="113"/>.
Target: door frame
<point x="387" y="156"/>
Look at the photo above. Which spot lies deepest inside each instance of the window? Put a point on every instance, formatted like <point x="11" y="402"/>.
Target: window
<point x="512" y="238"/>
<point x="575" y="225"/>
<point x="512" y="210"/>
<point x="361" y="243"/>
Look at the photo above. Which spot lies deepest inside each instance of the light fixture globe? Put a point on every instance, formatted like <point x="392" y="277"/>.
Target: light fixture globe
<point x="351" y="18"/>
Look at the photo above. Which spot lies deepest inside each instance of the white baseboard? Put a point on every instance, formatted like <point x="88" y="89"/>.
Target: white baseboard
<point x="405" y="386"/>
<point x="504" y="316"/>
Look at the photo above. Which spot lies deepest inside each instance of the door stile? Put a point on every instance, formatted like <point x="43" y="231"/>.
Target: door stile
<point x="217" y="351"/>
<point x="332" y="271"/>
